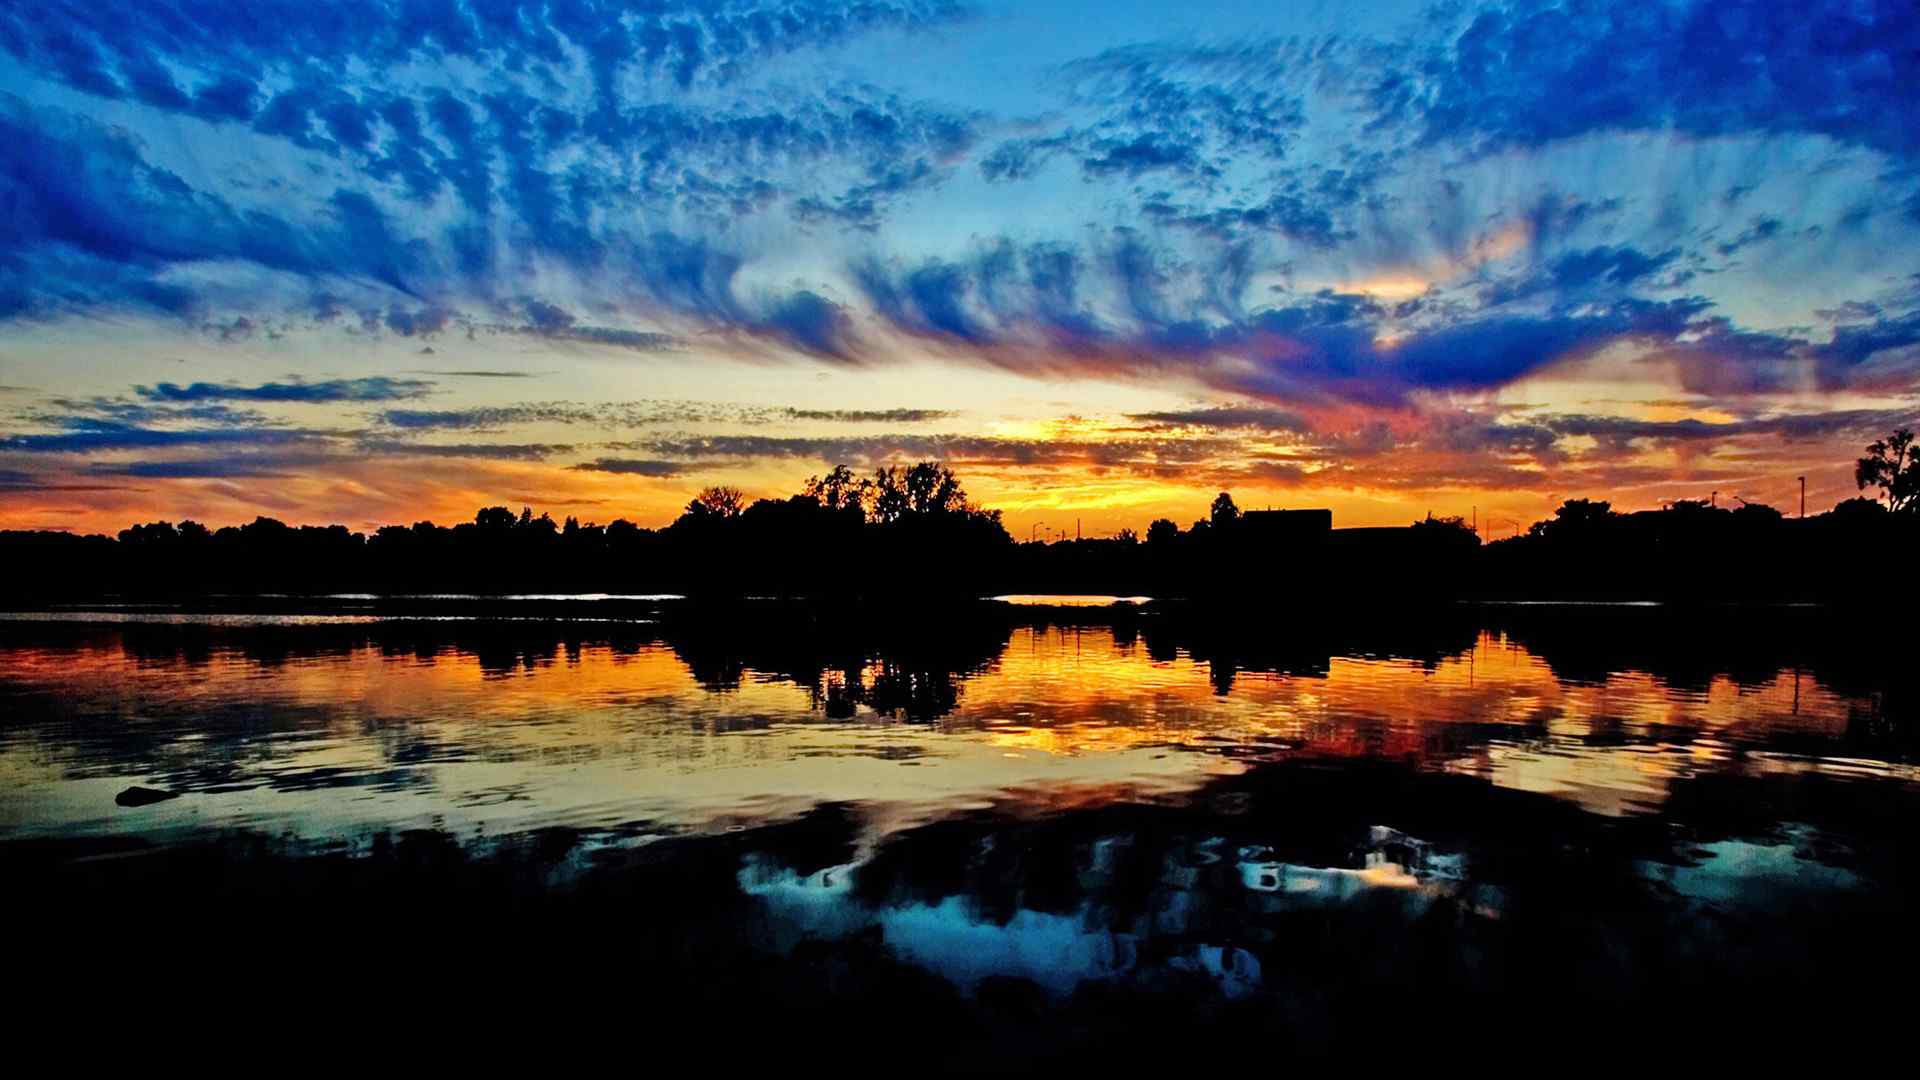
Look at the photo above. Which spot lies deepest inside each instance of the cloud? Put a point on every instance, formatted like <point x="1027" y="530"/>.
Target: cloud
<point x="488" y="451"/>
<point x="1152" y="110"/>
<point x="557" y="324"/>
<point x="965" y="449"/>
<point x="199" y="470"/>
<point x="88" y="412"/>
<point x="1289" y="214"/>
<point x="484" y="374"/>
<point x="1859" y="423"/>
<point x="118" y="52"/>
<point x="613" y="414"/>
<point x="16" y="480"/>
<point x="103" y="227"/>
<point x="372" y="388"/>
<point x="634" y="467"/>
<point x="1533" y="72"/>
<point x="102" y="436"/>
<point x="1228" y="417"/>
<point x="1619" y="266"/>
<point x="1319" y="223"/>
<point x="1134" y="311"/>
<point x="812" y="324"/>
<point x="488" y="418"/>
<point x="424" y="322"/>
<point x="872" y="416"/>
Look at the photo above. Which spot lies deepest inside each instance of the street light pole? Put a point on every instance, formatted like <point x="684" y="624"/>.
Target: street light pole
<point x="1803" y="498"/>
<point x="1031" y="532"/>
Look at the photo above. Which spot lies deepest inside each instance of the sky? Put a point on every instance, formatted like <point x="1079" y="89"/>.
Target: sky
<point x="394" y="260"/>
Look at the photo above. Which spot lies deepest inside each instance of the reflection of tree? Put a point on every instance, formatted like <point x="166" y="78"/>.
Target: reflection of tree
<point x="896" y="665"/>
<point x="917" y="694"/>
<point x="1258" y="642"/>
<point x="889" y="690"/>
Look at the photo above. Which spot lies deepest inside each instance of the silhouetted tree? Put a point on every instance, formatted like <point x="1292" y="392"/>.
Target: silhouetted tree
<point x="1576" y="519"/>
<point x="1859" y="508"/>
<point x="921" y="489"/>
<point x="839" y="490"/>
<point x="1892" y="464"/>
<point x="933" y="489"/>
<point x="494" y="517"/>
<point x="1452" y="527"/>
<point x="717" y="502"/>
<point x="911" y="531"/>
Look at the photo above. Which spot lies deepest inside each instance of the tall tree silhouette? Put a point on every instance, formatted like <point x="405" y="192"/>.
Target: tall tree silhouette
<point x="1892" y="464"/>
<point x="717" y="502"/>
<point x="839" y="490"/>
<point x="923" y="489"/>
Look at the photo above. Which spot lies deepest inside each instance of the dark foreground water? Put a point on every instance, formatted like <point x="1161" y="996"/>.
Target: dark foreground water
<point x="985" y="838"/>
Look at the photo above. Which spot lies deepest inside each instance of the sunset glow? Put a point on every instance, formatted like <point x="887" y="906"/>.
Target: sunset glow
<point x="1103" y="265"/>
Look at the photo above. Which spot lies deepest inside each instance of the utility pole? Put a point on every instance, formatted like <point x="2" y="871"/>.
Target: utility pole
<point x="1476" y="521"/>
<point x="1803" y="508"/>
<point x="1076" y="530"/>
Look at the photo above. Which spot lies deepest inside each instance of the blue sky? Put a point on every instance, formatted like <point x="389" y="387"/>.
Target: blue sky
<point x="380" y="261"/>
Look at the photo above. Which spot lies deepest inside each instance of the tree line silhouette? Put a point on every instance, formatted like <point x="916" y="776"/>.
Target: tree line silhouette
<point x="904" y="530"/>
<point x="903" y="533"/>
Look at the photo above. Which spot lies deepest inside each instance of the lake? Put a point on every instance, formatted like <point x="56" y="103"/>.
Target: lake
<point x="1045" y="821"/>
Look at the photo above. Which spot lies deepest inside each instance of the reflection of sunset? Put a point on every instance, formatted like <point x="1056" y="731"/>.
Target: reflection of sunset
<point x="1105" y="698"/>
<point x="594" y="732"/>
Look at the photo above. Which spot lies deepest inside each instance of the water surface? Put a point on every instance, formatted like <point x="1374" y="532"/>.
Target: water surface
<point x="1074" y="804"/>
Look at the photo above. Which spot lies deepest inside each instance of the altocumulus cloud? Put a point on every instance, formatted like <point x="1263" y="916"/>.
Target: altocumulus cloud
<point x="615" y="414"/>
<point x="1252" y="191"/>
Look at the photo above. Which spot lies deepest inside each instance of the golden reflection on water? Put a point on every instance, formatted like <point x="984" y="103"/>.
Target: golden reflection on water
<point x="597" y="735"/>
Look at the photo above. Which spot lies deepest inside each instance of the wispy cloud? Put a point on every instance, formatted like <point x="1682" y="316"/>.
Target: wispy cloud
<point x="493" y="451"/>
<point x="484" y="374"/>
<point x="634" y="467"/>
<point x="372" y="388"/>
<point x="1347" y="243"/>
<point x="108" y="436"/>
